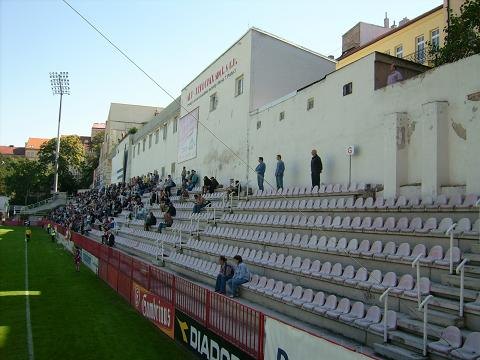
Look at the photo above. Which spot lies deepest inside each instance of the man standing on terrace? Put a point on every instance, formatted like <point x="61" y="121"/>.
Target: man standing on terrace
<point x="279" y="172"/>
<point x="260" y="170"/>
<point x="316" y="168"/>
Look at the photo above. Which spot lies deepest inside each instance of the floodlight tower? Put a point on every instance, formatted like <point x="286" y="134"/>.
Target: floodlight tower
<point x="60" y="86"/>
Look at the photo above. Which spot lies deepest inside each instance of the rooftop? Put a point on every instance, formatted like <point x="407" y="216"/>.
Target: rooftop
<point x="12" y="150"/>
<point x="35" y="143"/>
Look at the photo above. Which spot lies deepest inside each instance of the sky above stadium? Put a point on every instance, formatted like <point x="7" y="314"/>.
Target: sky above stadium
<point x="172" y="40"/>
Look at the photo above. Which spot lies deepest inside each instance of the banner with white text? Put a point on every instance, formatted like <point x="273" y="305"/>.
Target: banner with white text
<point x="187" y="136"/>
<point x="285" y="342"/>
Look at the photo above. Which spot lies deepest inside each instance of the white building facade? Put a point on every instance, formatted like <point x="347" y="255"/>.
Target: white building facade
<point x="265" y="96"/>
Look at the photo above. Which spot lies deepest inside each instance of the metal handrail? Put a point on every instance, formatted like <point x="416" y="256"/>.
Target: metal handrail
<point x="424" y="305"/>
<point x="385" y="313"/>
<point x="461" y="268"/>
<point x="450" y="232"/>
<point x="416" y="263"/>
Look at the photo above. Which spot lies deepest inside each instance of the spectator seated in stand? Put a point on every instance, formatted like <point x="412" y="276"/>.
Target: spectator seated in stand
<point x="167" y="217"/>
<point x="207" y="185"/>
<point x="169" y="184"/>
<point x="200" y="203"/>
<point x="235" y="188"/>
<point x="151" y="220"/>
<point x="225" y="274"/>
<point x="215" y="184"/>
<point x="241" y="276"/>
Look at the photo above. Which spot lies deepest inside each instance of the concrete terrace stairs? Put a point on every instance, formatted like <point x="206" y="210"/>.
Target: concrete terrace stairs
<point x="406" y="341"/>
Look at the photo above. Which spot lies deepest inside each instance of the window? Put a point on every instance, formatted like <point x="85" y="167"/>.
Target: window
<point x="259" y="124"/>
<point x="213" y="102"/>
<point x="175" y="124"/>
<point x="138" y="149"/>
<point x="143" y="144"/>
<point x="134" y="152"/>
<point x="150" y="140"/>
<point x="399" y="51"/>
<point x="163" y="171"/>
<point x="165" y="132"/>
<point x="281" y="116"/>
<point x="239" y="85"/>
<point x="347" y="89"/>
<point x="172" y="169"/>
<point x="310" y="103"/>
<point x="435" y="38"/>
<point x="420" y="48"/>
<point x="157" y="135"/>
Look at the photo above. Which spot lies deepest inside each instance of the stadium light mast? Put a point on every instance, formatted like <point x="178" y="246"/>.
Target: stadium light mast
<point x="60" y="86"/>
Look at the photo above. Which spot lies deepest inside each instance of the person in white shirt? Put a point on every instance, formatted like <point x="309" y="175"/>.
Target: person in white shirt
<point x="394" y="76"/>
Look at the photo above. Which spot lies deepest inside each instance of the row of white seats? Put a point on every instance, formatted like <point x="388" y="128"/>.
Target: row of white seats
<point x="360" y="277"/>
<point x="345" y="310"/>
<point x="365" y="248"/>
<point x="154" y="236"/>
<point x="450" y="344"/>
<point x="431" y="226"/>
<point x="316" y="190"/>
<point x="148" y="249"/>
<point x="203" y="266"/>
<point x="349" y="203"/>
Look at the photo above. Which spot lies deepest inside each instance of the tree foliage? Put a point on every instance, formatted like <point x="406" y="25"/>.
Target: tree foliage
<point x="91" y="160"/>
<point x="462" y="37"/>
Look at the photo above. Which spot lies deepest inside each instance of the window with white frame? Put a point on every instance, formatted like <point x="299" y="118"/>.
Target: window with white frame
<point x="138" y="149"/>
<point x="143" y="144"/>
<point x="213" y="102"/>
<point x="281" y="116"/>
<point x="239" y="85"/>
<point x="172" y="169"/>
<point x="165" y="128"/>
<point x="399" y="51"/>
<point x="420" y="48"/>
<point x="435" y="38"/>
<point x="157" y="136"/>
<point x="310" y="103"/>
<point x="150" y="140"/>
<point x="175" y="124"/>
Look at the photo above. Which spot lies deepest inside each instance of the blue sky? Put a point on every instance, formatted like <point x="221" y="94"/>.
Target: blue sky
<point x="171" y="40"/>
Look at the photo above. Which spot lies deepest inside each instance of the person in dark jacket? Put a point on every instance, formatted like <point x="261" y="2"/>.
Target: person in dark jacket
<point x="207" y="185"/>
<point x="225" y="274"/>
<point x="279" y="171"/>
<point x="316" y="168"/>
<point x="260" y="170"/>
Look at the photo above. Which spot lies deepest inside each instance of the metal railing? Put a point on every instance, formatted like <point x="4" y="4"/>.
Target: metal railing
<point x="424" y="306"/>
<point x="384" y="298"/>
<point x="449" y="232"/>
<point x="461" y="268"/>
<point x="416" y="263"/>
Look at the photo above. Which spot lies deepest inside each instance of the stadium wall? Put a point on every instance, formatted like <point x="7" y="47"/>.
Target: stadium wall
<point x="210" y="325"/>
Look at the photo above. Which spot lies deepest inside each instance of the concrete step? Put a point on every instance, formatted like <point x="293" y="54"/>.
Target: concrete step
<point x="472" y="257"/>
<point x="452" y="292"/>
<point x="394" y="352"/>
<point x="415" y="327"/>
<point x="475" y="248"/>
<point x="454" y="280"/>
<point x="436" y="317"/>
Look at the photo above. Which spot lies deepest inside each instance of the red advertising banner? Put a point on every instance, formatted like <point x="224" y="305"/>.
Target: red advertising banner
<point x="154" y="308"/>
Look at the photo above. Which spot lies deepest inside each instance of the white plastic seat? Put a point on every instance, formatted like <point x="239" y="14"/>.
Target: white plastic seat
<point x="376" y="248"/>
<point x="428" y="226"/>
<point x="445" y="223"/>
<point x="324" y="270"/>
<point x="389" y="249"/>
<point x="268" y="287"/>
<point x="304" y="267"/>
<point x="405" y="283"/>
<point x="287" y="291"/>
<point x="470" y="349"/>
<point x="469" y="201"/>
<point x="456" y="254"/>
<point x="450" y="339"/>
<point x="277" y="289"/>
<point x="348" y="273"/>
<point x="296" y="294"/>
<point x="391" y="323"/>
<point x="262" y="282"/>
<point x="352" y="246"/>
<point x="330" y="304"/>
<point x="424" y="285"/>
<point x="343" y="307"/>
<point x="363" y="247"/>
<point x="357" y="311"/>
<point x="307" y="297"/>
<point x="336" y="270"/>
<point x="403" y="250"/>
<point x="419" y="249"/>
<point x="315" y="267"/>
<point x="373" y="316"/>
<point x="389" y="280"/>
<point x="435" y="253"/>
<point x="253" y="281"/>
<point x="318" y="300"/>
<point x="375" y="278"/>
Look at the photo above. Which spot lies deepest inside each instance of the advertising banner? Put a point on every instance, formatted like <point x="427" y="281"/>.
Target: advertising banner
<point x="90" y="261"/>
<point x="153" y="308"/>
<point x="187" y="136"/>
<point x="204" y="343"/>
<point x="285" y="342"/>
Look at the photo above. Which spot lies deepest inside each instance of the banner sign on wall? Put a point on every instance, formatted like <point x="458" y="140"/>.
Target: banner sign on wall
<point x="157" y="310"/>
<point x="187" y="136"/>
<point x="90" y="261"/>
<point x="204" y="343"/>
<point x="285" y="342"/>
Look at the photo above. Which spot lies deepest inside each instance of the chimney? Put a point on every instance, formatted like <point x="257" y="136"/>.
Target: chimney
<point x="386" y="21"/>
<point x="393" y="26"/>
<point x="403" y="21"/>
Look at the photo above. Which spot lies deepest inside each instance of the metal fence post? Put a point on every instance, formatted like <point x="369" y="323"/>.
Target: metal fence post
<point x="416" y="263"/>
<point x="424" y="305"/>
<point x="450" y="232"/>
<point x="384" y="297"/>
<point x="461" y="269"/>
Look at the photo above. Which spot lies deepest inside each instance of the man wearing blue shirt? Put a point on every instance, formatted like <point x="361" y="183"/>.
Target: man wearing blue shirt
<point x="260" y="170"/>
<point x="241" y="275"/>
<point x="279" y="172"/>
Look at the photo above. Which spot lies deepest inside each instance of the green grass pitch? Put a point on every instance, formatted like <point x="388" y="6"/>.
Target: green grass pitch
<point x="74" y="315"/>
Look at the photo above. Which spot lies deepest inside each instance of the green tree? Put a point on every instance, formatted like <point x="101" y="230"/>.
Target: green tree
<point x="462" y="37"/>
<point x="70" y="161"/>
<point x="91" y="160"/>
<point x="25" y="181"/>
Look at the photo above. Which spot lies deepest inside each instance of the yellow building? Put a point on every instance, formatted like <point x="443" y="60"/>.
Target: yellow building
<point x="409" y="40"/>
